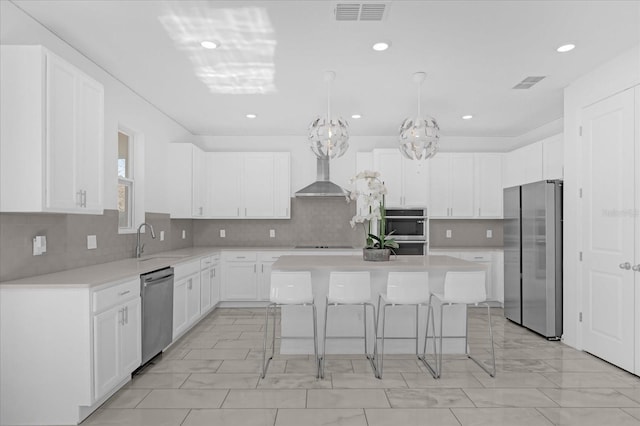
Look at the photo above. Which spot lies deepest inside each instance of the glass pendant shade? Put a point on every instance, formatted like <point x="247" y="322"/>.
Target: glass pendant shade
<point x="329" y="138"/>
<point x="418" y="137"/>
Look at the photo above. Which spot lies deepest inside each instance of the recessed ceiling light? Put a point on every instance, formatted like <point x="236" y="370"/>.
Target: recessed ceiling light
<point x="467" y="117"/>
<point x="566" y="48"/>
<point x="381" y="45"/>
<point x="251" y="116"/>
<point x="208" y="44"/>
<point x="356" y="116"/>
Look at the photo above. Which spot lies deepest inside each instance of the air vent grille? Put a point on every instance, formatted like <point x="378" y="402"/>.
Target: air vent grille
<point x="528" y="82"/>
<point x="360" y="11"/>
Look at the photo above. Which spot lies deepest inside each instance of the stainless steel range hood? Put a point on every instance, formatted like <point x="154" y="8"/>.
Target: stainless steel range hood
<point x="322" y="187"/>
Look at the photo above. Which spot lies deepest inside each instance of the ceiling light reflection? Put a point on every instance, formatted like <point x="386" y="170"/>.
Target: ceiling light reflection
<point x="243" y="63"/>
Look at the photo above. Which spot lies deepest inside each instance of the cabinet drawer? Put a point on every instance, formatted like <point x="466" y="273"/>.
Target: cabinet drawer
<point x="115" y="295"/>
<point x="270" y="257"/>
<point x="244" y="256"/>
<point x="206" y="262"/>
<point x="476" y="257"/>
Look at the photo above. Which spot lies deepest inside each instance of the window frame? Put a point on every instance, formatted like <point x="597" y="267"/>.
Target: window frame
<point x="130" y="182"/>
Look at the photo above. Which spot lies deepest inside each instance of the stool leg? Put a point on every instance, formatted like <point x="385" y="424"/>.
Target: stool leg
<point x="372" y="357"/>
<point x="491" y="372"/>
<point x="324" y="339"/>
<point x="430" y="320"/>
<point x="265" y="362"/>
<point x="439" y="364"/>
<point x="315" y="339"/>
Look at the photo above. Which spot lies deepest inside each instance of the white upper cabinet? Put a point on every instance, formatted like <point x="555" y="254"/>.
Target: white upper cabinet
<point x="532" y="163"/>
<point x="252" y="185"/>
<point x="451" y="186"/>
<point x="199" y="199"/>
<point x="553" y="158"/>
<point x="406" y="180"/>
<point x="52" y="134"/>
<point x="488" y="169"/>
<point x="180" y="182"/>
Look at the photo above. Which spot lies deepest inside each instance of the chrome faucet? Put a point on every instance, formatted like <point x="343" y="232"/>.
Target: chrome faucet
<point x="140" y="248"/>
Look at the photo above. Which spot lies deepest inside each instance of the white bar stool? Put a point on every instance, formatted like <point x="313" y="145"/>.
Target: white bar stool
<point x="289" y="289"/>
<point x="406" y="289"/>
<point x="350" y="288"/>
<point x="465" y="288"/>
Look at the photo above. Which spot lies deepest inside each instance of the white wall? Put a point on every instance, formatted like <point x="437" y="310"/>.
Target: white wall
<point x="122" y="107"/>
<point x="613" y="77"/>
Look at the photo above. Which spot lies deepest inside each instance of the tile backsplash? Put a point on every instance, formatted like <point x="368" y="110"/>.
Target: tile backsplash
<point x="314" y="221"/>
<point x="465" y="233"/>
<point x="67" y="241"/>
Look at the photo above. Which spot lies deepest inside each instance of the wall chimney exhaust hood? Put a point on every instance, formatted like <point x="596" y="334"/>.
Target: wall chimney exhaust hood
<point x="322" y="187"/>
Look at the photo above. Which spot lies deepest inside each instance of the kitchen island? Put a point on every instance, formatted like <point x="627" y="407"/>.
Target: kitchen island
<point x="347" y="320"/>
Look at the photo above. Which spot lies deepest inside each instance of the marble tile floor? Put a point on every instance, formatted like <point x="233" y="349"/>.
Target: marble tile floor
<point x="211" y="377"/>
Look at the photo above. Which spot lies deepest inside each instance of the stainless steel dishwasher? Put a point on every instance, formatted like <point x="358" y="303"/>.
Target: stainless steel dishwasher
<point x="156" y="289"/>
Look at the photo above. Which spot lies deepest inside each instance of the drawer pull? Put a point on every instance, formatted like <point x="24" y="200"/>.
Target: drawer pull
<point x="124" y="292"/>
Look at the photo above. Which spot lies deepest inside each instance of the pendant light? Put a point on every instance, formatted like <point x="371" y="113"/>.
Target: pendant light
<point x="329" y="138"/>
<point x="418" y="138"/>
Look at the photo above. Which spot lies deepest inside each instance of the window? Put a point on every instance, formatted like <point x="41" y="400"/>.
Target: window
<point x="126" y="183"/>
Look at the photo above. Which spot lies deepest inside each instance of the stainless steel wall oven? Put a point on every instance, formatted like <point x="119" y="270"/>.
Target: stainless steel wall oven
<point x="410" y="229"/>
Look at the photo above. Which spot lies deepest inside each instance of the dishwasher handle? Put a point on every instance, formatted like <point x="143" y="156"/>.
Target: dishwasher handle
<point x="155" y="280"/>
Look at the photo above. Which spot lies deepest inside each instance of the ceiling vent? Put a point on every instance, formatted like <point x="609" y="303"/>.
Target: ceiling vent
<point x="528" y="82"/>
<point x="360" y="11"/>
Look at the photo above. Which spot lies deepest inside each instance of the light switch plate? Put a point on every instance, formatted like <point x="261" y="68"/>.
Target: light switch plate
<point x="161" y="235"/>
<point x="272" y="233"/>
<point x="489" y="233"/>
<point x="223" y="233"/>
<point x="448" y="234"/>
<point x="92" y="242"/>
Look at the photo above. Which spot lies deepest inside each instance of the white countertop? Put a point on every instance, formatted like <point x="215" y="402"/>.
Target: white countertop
<point x="95" y="275"/>
<point x="397" y="263"/>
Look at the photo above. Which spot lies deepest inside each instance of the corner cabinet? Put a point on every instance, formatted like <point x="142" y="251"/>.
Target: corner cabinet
<point x="262" y="191"/>
<point x="52" y="134"/>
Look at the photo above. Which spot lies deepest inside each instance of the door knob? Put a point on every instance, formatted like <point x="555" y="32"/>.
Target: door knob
<point x="636" y="268"/>
<point x="625" y="265"/>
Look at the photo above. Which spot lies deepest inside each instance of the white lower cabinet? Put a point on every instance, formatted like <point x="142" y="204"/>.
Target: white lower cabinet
<point x="116" y="345"/>
<point x="209" y="283"/>
<point x="186" y="296"/>
<point x="239" y="276"/>
<point x="266" y="261"/>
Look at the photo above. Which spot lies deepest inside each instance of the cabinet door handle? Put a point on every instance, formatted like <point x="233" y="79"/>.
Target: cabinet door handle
<point x="254" y="269"/>
<point x="214" y="272"/>
<point x="124" y="292"/>
<point x="238" y="214"/>
<point x="126" y="315"/>
<point x="625" y="265"/>
<point x="262" y="268"/>
<point x="121" y="314"/>
<point x="84" y="200"/>
<point x="79" y="198"/>
<point x="189" y="285"/>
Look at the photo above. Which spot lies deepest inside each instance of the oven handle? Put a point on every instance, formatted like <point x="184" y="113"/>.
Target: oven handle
<point x="406" y="217"/>
<point x="411" y="242"/>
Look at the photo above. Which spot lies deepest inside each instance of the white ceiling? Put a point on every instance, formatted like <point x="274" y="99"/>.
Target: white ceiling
<point x="473" y="52"/>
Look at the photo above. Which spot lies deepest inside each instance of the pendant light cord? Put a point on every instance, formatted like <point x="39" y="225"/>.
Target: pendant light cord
<point x="419" y="94"/>
<point x="328" y="101"/>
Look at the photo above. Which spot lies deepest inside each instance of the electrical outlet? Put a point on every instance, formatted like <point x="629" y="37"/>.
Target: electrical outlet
<point x="272" y="233"/>
<point x="489" y="233"/>
<point x="223" y="233"/>
<point x="184" y="234"/>
<point x="39" y="245"/>
<point x="448" y="234"/>
<point x="161" y="235"/>
<point x="92" y="242"/>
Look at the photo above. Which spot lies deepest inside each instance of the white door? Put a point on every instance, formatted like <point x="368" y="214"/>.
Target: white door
<point x="61" y="136"/>
<point x="106" y="350"/>
<point x="89" y="147"/>
<point x="415" y="182"/>
<point x="489" y="186"/>
<point x="439" y="186"/>
<point x="388" y="162"/>
<point x="462" y="186"/>
<point x="193" y="298"/>
<point x="131" y="338"/>
<point x="205" y="290"/>
<point x="240" y="281"/>
<point x="224" y="171"/>
<point x="608" y="229"/>
<point x="258" y="186"/>
<point x="179" y="307"/>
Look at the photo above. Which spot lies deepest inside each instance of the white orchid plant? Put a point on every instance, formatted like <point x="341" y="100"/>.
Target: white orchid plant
<point x="373" y="198"/>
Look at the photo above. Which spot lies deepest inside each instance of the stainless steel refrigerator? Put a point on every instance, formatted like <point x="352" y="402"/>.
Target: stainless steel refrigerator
<point x="533" y="256"/>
